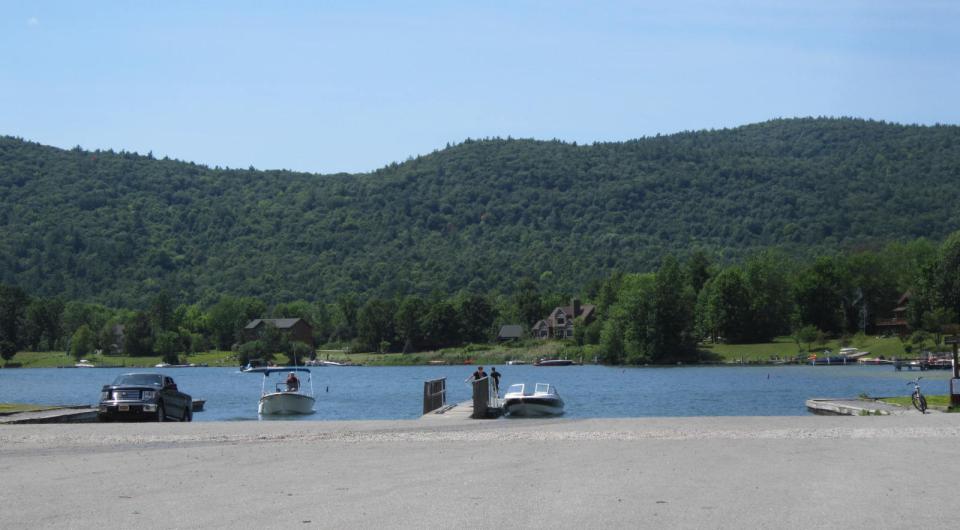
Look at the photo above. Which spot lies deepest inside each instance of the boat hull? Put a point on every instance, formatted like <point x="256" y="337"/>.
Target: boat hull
<point x="533" y="406"/>
<point x="286" y="403"/>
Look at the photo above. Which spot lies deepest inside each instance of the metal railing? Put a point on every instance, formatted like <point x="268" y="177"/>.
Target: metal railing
<point x="434" y="394"/>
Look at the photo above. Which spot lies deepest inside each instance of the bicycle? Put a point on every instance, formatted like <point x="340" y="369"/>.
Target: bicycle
<point x="917" y="398"/>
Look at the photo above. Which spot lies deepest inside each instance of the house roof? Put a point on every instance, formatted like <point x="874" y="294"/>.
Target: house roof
<point x="279" y="323"/>
<point x="510" y="331"/>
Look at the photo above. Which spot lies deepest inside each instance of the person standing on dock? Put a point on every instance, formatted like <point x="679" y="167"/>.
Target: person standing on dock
<point x="495" y="376"/>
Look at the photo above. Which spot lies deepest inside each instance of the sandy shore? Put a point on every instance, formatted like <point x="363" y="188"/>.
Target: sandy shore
<point x="728" y="472"/>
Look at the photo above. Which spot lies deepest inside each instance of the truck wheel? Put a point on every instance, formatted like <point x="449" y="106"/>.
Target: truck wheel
<point x="161" y="414"/>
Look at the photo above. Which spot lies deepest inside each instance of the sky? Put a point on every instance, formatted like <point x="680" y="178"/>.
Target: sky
<point x="327" y="86"/>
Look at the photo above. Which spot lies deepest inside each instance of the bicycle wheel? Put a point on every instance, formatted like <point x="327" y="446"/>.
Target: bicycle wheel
<point x="920" y="403"/>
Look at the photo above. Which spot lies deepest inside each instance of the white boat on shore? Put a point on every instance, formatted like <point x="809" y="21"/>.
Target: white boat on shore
<point x="285" y="397"/>
<point x="544" y="400"/>
<point x="84" y="364"/>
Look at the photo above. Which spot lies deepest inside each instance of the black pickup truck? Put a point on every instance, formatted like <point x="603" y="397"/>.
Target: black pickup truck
<point x="150" y="397"/>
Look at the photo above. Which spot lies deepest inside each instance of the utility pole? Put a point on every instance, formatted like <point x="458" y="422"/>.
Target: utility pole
<point x="955" y="381"/>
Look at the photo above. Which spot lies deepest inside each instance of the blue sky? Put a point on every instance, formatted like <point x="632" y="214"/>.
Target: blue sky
<point x="352" y="86"/>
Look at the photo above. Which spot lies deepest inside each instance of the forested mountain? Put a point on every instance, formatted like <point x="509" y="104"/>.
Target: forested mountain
<point x="117" y="228"/>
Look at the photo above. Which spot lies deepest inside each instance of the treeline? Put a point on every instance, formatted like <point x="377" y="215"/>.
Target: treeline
<point x="655" y="317"/>
<point x="118" y="228"/>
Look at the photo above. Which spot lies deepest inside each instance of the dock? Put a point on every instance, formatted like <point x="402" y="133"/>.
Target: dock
<point x="856" y="407"/>
<point x="465" y="411"/>
<point x="485" y="403"/>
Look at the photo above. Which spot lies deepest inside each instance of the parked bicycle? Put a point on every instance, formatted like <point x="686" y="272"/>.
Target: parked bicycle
<point x="919" y="401"/>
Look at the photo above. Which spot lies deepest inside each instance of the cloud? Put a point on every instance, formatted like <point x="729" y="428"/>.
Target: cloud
<point x="33" y="21"/>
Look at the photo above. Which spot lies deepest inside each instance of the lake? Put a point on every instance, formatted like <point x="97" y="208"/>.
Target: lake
<point x="361" y="393"/>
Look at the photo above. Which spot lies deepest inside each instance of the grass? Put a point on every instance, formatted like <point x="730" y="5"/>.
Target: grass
<point x="487" y="354"/>
<point x="54" y="359"/>
<point x="937" y="401"/>
<point x="9" y="408"/>
<point x="483" y="354"/>
<point x="785" y="348"/>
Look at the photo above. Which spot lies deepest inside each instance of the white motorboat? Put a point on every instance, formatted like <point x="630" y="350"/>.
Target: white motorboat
<point x="84" y="364"/>
<point x="544" y="400"/>
<point x="285" y="396"/>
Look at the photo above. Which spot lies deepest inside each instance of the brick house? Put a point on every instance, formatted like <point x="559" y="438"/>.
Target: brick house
<point x="559" y="324"/>
<point x="295" y="328"/>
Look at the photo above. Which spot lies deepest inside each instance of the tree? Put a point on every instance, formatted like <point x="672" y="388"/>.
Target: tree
<point x="166" y="345"/>
<point x="673" y="337"/>
<point x="698" y="270"/>
<point x="137" y="335"/>
<point x="407" y="322"/>
<point x="527" y="302"/>
<point x="375" y="324"/>
<point x="228" y="317"/>
<point x="476" y="317"/>
<point x="818" y="294"/>
<point x="82" y="343"/>
<point x="805" y="335"/>
<point x="725" y="306"/>
<point x="13" y="308"/>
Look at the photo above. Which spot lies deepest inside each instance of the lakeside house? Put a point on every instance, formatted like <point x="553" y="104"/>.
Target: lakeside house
<point x="559" y="324"/>
<point x="296" y="329"/>
<point x="897" y="323"/>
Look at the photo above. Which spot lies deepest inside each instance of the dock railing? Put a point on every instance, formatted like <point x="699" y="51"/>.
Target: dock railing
<point x="481" y="397"/>
<point x="434" y="394"/>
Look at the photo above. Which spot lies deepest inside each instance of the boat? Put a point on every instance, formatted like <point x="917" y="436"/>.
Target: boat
<point x="555" y="362"/>
<point x="84" y="364"/>
<point x="516" y="362"/>
<point x="544" y="400"/>
<point x="284" y="398"/>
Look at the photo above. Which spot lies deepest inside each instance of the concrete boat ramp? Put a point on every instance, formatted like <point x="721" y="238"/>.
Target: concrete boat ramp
<point x="69" y="414"/>
<point x="858" y="407"/>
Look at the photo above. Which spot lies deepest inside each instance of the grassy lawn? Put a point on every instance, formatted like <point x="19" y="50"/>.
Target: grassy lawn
<point x="53" y="359"/>
<point x="487" y="354"/>
<point x="785" y="347"/>
<point x="483" y="354"/>
<point x="9" y="408"/>
<point x="941" y="402"/>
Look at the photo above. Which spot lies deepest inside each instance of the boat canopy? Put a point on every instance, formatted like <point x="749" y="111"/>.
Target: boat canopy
<point x="268" y="371"/>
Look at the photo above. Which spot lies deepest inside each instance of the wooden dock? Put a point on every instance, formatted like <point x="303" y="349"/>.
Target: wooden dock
<point x="485" y="404"/>
<point x="464" y="411"/>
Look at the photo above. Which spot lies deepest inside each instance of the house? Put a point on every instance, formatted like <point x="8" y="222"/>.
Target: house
<point x="510" y="332"/>
<point x="296" y="329"/>
<point x="897" y="323"/>
<point x="559" y="324"/>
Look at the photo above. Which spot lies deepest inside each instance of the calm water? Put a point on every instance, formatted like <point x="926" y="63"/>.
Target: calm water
<point x="352" y="393"/>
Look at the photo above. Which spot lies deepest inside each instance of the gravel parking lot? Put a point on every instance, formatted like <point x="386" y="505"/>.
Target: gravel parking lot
<point x="710" y="472"/>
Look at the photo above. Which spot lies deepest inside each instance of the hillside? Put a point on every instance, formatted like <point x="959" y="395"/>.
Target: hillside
<point x="117" y="227"/>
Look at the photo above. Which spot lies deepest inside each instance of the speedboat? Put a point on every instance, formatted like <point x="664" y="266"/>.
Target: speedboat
<point x="555" y="362"/>
<point x="285" y="398"/>
<point x="84" y="364"/>
<point x="544" y="400"/>
<point x="515" y="362"/>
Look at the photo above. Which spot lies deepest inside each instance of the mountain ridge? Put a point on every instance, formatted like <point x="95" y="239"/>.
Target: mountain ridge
<point x="478" y="215"/>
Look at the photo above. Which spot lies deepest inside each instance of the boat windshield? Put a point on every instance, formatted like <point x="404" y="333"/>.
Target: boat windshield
<point x="543" y="388"/>
<point x="139" y="379"/>
<point x="515" y="389"/>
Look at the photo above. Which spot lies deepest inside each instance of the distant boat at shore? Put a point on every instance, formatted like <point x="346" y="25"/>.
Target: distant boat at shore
<point x="556" y="362"/>
<point x="84" y="364"/>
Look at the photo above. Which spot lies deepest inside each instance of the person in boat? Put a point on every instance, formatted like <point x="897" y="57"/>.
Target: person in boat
<point x="293" y="384"/>
<point x="495" y="376"/>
